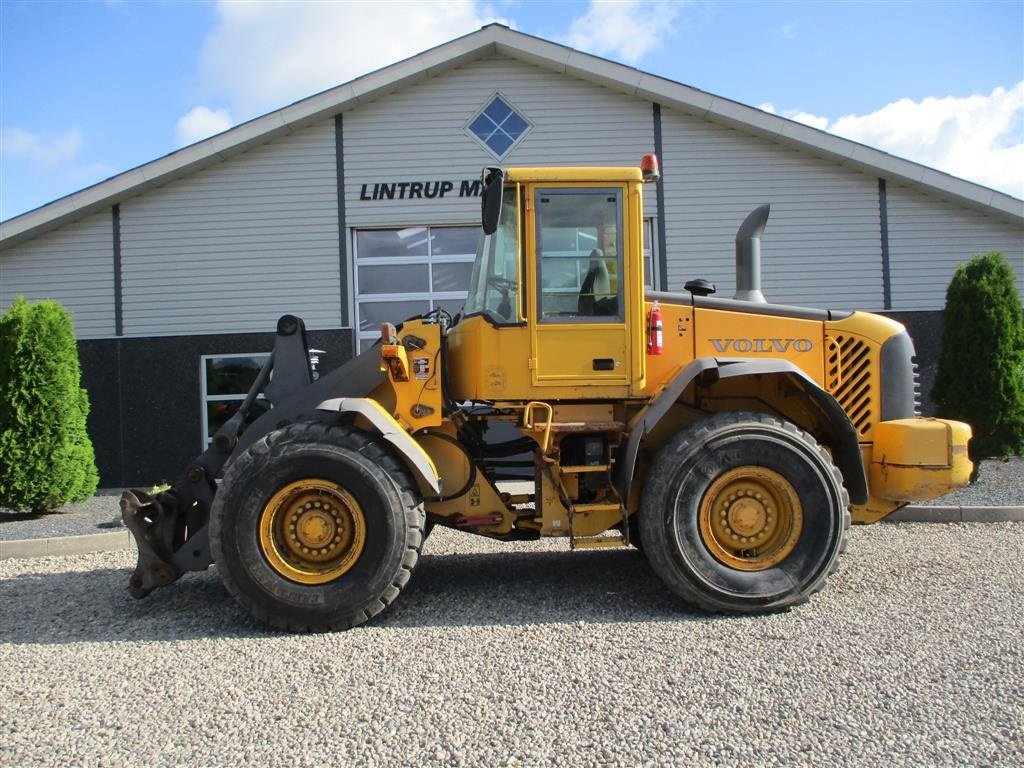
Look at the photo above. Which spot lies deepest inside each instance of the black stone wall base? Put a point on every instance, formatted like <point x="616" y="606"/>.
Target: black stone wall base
<point x="925" y="328"/>
<point x="146" y="420"/>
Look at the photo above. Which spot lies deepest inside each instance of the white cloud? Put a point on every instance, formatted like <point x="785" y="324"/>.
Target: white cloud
<point x="978" y="137"/>
<point x="200" y="123"/>
<point x="623" y="29"/>
<point x="47" y="151"/>
<point x="794" y="114"/>
<point x="789" y="31"/>
<point x="261" y="56"/>
<point x="821" y="123"/>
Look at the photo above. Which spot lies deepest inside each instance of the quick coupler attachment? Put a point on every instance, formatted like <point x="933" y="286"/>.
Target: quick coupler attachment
<point x="155" y="525"/>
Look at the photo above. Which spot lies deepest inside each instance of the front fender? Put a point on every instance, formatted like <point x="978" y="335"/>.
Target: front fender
<point x="415" y="457"/>
<point x="842" y="437"/>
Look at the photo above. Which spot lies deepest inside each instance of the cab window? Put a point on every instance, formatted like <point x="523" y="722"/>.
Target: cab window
<point x="579" y="255"/>
<point x="494" y="285"/>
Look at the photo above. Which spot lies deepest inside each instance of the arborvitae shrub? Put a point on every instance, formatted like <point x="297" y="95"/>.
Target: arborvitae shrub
<point x="46" y="456"/>
<point x="980" y="377"/>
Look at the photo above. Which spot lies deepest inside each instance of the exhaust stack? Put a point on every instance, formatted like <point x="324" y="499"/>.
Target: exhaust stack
<point x="748" y="255"/>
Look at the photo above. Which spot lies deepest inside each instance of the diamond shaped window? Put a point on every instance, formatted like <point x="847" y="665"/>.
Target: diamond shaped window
<point x="498" y="127"/>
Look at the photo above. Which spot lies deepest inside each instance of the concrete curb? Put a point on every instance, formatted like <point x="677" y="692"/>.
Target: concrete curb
<point x="915" y="514"/>
<point x="115" y="540"/>
<point x="66" y="545"/>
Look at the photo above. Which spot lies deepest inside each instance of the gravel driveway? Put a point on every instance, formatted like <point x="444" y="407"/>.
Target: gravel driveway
<point x="529" y="655"/>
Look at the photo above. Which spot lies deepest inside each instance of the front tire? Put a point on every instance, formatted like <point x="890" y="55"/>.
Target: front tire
<point x="316" y="528"/>
<point x="744" y="513"/>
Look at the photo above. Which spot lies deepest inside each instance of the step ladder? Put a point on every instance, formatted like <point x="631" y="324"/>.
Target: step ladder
<point x="611" y="429"/>
<point x="614" y="504"/>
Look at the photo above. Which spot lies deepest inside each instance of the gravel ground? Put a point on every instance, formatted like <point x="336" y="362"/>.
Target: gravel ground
<point x="527" y="654"/>
<point x="1000" y="484"/>
<point x="94" y="515"/>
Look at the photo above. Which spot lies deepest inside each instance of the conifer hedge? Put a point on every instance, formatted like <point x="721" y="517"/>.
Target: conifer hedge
<point x="980" y="376"/>
<point x="46" y="456"/>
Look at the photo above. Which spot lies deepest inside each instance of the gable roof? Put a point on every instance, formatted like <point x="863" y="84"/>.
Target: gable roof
<point x="489" y="40"/>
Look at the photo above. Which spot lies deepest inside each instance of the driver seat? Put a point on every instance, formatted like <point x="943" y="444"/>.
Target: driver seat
<point x="597" y="282"/>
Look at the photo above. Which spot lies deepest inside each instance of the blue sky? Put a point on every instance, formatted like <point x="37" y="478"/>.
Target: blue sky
<point x="91" y="89"/>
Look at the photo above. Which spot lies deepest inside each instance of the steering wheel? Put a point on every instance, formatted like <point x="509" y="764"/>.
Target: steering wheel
<point x="502" y="284"/>
<point x="505" y="287"/>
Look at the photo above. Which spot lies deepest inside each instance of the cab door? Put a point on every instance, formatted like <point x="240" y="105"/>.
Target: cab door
<point x="582" y="291"/>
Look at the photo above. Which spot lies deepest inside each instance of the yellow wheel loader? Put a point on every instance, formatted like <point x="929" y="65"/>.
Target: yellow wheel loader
<point x="732" y="440"/>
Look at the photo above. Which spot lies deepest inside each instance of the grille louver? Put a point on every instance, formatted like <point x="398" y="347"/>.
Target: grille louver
<point x="917" y="386"/>
<point x="849" y="380"/>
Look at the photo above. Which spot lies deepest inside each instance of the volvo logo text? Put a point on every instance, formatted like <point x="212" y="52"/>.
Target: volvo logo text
<point x="762" y="345"/>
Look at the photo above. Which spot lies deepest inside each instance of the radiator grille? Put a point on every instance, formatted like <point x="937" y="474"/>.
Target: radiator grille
<point x="848" y="371"/>
<point x="917" y="386"/>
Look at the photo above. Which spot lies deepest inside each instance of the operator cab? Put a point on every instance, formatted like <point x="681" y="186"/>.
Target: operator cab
<point x="556" y="294"/>
<point x="579" y="248"/>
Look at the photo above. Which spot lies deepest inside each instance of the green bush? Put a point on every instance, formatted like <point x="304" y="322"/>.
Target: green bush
<point x="46" y="456"/>
<point x="980" y="377"/>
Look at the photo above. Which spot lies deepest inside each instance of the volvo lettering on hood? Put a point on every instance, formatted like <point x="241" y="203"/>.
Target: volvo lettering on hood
<point x="762" y="345"/>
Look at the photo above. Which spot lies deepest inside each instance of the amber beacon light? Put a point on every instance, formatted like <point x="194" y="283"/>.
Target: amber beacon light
<point x="649" y="168"/>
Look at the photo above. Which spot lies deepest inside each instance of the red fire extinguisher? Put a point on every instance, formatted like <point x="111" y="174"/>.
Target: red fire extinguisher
<point x="655" y="335"/>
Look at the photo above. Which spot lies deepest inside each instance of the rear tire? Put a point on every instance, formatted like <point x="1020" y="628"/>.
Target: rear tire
<point x="744" y="513"/>
<point x="316" y="528"/>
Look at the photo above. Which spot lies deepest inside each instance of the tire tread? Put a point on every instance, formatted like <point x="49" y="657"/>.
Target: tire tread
<point x="373" y="450"/>
<point x="698" y="434"/>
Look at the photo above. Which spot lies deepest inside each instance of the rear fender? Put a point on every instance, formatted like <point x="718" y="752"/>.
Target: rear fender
<point x="415" y="457"/>
<point x="840" y="435"/>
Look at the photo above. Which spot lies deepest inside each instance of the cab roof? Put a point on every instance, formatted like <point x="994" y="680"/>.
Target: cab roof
<point x="590" y="174"/>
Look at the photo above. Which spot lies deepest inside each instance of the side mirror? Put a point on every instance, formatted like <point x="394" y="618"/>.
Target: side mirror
<point x="490" y="204"/>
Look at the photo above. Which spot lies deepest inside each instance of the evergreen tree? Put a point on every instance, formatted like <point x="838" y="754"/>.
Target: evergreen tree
<point x="980" y="377"/>
<point x="46" y="456"/>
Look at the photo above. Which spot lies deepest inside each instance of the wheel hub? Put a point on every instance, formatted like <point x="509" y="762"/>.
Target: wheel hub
<point x="751" y="518"/>
<point x="312" y="531"/>
<point x="315" y="529"/>
<point x="747" y="516"/>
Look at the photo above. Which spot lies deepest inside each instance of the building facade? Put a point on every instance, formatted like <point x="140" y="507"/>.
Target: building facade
<point x="360" y="204"/>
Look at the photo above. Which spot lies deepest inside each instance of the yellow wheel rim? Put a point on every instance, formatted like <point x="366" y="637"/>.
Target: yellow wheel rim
<point x="751" y="518"/>
<point x="312" y="531"/>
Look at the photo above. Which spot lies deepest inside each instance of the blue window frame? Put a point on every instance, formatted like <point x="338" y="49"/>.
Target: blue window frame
<point x="498" y="126"/>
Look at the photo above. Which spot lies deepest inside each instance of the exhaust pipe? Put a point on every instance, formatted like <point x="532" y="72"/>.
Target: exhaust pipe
<point x="748" y="255"/>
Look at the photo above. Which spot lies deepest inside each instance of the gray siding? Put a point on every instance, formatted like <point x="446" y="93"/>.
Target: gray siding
<point x="74" y="265"/>
<point x="417" y="134"/>
<point x="822" y="245"/>
<point x="929" y="237"/>
<point x="232" y="247"/>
